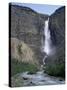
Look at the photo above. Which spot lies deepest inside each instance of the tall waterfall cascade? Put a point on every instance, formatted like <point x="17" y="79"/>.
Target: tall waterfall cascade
<point x="47" y="46"/>
<point x="47" y="41"/>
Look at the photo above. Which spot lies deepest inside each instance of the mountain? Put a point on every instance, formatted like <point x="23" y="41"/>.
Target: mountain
<point x="26" y="33"/>
<point x="57" y="30"/>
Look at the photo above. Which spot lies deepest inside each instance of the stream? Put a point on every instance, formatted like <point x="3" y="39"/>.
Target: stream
<point x="40" y="78"/>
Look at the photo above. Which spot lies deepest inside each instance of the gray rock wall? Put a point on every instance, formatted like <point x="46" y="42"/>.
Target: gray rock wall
<point x="27" y="26"/>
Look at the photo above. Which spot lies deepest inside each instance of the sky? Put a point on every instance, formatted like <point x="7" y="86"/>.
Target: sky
<point x="41" y="8"/>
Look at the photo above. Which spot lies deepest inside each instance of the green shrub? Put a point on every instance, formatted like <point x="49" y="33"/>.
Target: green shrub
<point x="19" y="67"/>
<point x="56" y="70"/>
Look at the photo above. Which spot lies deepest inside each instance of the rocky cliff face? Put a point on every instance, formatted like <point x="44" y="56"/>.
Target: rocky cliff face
<point x="57" y="26"/>
<point x="26" y="33"/>
<point x="57" y="29"/>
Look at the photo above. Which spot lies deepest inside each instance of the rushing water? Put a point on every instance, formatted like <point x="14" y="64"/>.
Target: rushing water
<point x="47" y="46"/>
<point x="40" y="78"/>
<point x="47" y="41"/>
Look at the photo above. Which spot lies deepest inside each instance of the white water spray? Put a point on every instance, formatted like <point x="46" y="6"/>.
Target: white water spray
<point x="47" y="42"/>
<point x="48" y="48"/>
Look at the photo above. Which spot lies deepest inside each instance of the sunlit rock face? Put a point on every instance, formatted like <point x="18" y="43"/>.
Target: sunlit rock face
<point x="26" y="26"/>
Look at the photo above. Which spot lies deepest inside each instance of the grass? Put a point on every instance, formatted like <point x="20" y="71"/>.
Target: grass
<point x="56" y="70"/>
<point x="19" y="67"/>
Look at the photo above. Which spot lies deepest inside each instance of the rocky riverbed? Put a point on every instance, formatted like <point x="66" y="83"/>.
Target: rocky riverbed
<point x="40" y="78"/>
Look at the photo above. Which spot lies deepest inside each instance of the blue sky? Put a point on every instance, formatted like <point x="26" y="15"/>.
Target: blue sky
<point x="41" y="8"/>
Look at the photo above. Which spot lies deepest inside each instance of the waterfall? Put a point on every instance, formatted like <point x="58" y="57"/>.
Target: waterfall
<point x="47" y="48"/>
<point x="47" y="41"/>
